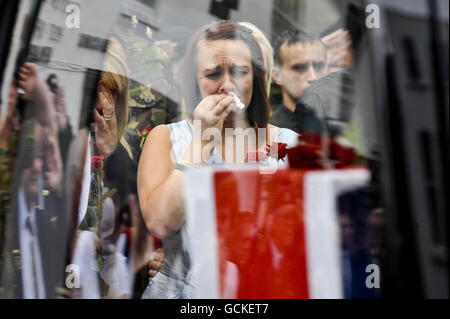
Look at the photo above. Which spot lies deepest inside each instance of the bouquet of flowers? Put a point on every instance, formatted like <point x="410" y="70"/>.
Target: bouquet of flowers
<point x="310" y="153"/>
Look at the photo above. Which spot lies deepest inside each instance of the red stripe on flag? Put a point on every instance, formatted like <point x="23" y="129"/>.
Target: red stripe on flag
<point x="261" y="234"/>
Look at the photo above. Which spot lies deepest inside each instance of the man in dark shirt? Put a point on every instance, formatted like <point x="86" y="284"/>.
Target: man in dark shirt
<point x="300" y="60"/>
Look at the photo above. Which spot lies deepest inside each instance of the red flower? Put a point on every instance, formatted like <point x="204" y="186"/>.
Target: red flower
<point x="255" y="157"/>
<point x="304" y="156"/>
<point x="341" y="154"/>
<point x="129" y="233"/>
<point x="308" y="153"/>
<point x="157" y="243"/>
<point x="97" y="161"/>
<point x="310" y="139"/>
<point x="143" y="133"/>
<point x="277" y="150"/>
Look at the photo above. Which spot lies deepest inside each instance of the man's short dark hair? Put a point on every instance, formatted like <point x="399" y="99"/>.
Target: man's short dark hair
<point x="291" y="36"/>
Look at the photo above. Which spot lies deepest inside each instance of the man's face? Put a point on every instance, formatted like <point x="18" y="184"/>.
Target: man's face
<point x="30" y="176"/>
<point x="302" y="64"/>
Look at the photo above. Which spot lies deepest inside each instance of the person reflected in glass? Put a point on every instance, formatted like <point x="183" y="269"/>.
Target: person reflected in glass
<point x="266" y="48"/>
<point x="300" y="60"/>
<point x="110" y="115"/>
<point x="222" y="61"/>
<point x="34" y="236"/>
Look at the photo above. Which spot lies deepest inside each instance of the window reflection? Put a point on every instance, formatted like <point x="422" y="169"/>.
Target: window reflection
<point x="99" y="185"/>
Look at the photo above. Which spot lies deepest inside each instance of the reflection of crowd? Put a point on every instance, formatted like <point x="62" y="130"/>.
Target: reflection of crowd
<point x="35" y="239"/>
<point x="95" y="195"/>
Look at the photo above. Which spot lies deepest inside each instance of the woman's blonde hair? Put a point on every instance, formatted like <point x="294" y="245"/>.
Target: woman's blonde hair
<point x="266" y="48"/>
<point x="115" y="78"/>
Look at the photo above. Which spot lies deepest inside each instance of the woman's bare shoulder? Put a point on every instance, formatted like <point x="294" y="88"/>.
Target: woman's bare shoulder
<point x="159" y="133"/>
<point x="157" y="140"/>
<point x="155" y="152"/>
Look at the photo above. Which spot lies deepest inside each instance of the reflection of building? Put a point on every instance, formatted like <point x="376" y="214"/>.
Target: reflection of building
<point x="195" y="13"/>
<point x="309" y="15"/>
<point x="271" y="16"/>
<point x="68" y="52"/>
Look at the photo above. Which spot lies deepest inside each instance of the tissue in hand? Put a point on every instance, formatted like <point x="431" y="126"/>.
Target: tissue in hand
<point x="239" y="104"/>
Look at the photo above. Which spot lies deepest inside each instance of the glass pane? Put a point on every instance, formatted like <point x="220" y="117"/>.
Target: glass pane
<point x="181" y="149"/>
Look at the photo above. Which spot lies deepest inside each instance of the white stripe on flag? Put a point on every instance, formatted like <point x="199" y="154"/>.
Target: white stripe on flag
<point x="202" y="232"/>
<point x="321" y="189"/>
